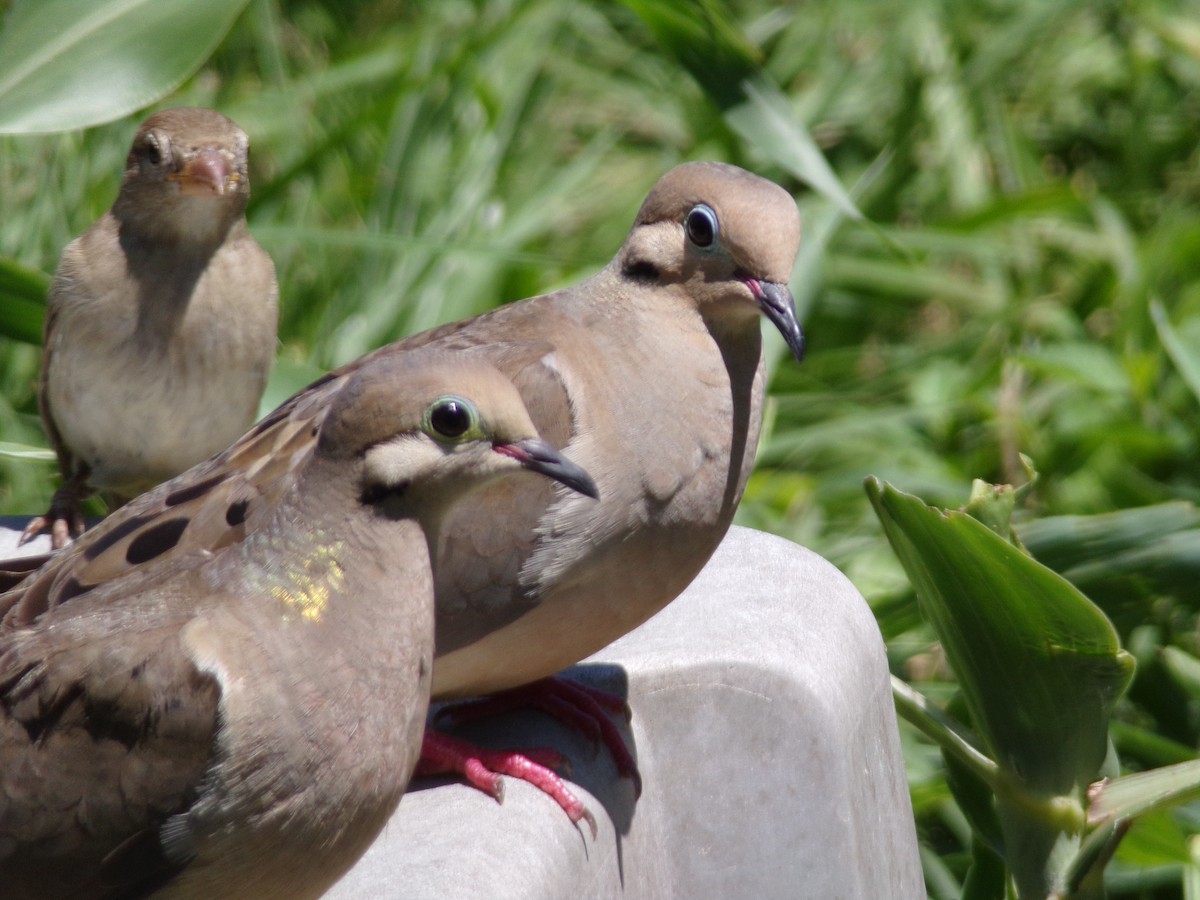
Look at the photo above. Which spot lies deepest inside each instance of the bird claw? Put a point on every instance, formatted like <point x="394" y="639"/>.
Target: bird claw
<point x="63" y="521"/>
<point x="581" y="707"/>
<point x="483" y="768"/>
<point x="59" y="529"/>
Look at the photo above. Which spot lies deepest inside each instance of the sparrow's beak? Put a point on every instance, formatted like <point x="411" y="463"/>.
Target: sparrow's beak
<point x="540" y="457"/>
<point x="206" y="174"/>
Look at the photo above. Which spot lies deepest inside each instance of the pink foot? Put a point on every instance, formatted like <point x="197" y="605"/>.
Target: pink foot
<point x="586" y="709"/>
<point x="483" y="768"/>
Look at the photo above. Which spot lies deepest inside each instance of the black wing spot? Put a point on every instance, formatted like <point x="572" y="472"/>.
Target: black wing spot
<point x="199" y="489"/>
<point x="129" y="526"/>
<point x="155" y="541"/>
<point x="235" y="515"/>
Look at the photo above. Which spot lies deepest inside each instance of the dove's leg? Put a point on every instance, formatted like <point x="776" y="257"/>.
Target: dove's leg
<point x="583" y="708"/>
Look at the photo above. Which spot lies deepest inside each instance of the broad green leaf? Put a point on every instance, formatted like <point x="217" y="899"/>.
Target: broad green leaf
<point x="67" y="64"/>
<point x="1039" y="666"/>
<point x="1038" y="663"/>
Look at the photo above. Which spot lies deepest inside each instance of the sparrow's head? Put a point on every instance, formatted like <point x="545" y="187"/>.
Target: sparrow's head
<point x="187" y="175"/>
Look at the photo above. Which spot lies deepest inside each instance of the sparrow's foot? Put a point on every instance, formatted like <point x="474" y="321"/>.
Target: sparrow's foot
<point x="483" y="768"/>
<point x="63" y="521"/>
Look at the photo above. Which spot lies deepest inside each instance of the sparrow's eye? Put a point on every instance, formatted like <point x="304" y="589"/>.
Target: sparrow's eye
<point x="451" y="418"/>
<point x="701" y="226"/>
<point x="152" y="149"/>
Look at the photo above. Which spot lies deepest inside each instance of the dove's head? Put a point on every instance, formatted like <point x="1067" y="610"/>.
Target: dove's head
<point x="727" y="237"/>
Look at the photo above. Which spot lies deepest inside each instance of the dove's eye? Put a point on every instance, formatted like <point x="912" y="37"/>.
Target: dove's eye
<point x="701" y="226"/>
<point x="451" y="418"/>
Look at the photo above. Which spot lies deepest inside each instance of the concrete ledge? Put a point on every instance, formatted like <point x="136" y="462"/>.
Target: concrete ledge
<point x="764" y="731"/>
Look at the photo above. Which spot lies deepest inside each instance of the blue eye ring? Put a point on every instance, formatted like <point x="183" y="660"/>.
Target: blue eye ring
<point x="702" y="227"/>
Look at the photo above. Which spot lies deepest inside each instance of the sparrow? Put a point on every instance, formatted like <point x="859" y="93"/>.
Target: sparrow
<point x="160" y="321"/>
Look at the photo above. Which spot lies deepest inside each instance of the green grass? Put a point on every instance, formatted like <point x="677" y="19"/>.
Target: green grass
<point x="1029" y="177"/>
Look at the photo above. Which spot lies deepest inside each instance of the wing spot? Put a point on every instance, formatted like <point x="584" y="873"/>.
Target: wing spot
<point x="191" y="492"/>
<point x="155" y="541"/>
<point x="235" y="515"/>
<point x="129" y="526"/>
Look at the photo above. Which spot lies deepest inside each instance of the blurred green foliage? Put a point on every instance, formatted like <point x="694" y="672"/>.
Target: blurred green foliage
<point x="1029" y="180"/>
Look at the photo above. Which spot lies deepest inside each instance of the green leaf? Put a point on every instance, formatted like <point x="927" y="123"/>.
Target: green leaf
<point x="1038" y="663"/>
<point x="1185" y="358"/>
<point x="702" y="37"/>
<point x="1147" y="746"/>
<point x="24" y="451"/>
<point x="766" y="122"/>
<point x="1191" y="872"/>
<point x="67" y="64"/>
<point x="954" y="738"/>
<point x="986" y="879"/>
<point x="1063" y="542"/>
<point x="975" y="795"/>
<point x="1039" y="666"/>
<point x="22" y="302"/>
<point x="1185" y="669"/>
<point x="993" y="505"/>
<point x="1154" y="840"/>
<point x="1171" y="564"/>
<point x="1144" y="792"/>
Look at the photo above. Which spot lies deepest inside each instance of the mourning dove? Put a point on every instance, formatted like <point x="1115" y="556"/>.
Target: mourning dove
<point x="223" y="694"/>
<point x="650" y="376"/>
<point x="160" y="323"/>
<point x="653" y="382"/>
